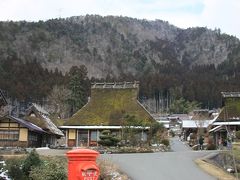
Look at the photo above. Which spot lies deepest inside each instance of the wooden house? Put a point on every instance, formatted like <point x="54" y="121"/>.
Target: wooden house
<point x="228" y="120"/>
<point x="16" y="132"/>
<point x="40" y="117"/>
<point x="197" y="125"/>
<point x="109" y="106"/>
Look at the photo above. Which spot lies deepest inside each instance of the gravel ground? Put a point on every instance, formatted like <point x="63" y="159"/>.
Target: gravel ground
<point x="52" y="152"/>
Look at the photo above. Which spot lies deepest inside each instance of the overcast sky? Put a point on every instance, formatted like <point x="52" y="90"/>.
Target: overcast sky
<point x="223" y="14"/>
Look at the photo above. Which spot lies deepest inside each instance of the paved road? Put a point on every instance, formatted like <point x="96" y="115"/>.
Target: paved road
<point x="176" y="165"/>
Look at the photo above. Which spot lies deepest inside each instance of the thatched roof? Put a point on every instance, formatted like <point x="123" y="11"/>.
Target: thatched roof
<point x="110" y="106"/>
<point x="37" y="109"/>
<point x="231" y="110"/>
<point x="37" y="115"/>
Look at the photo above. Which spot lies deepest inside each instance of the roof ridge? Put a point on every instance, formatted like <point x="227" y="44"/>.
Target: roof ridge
<point x="40" y="108"/>
<point x="115" y="85"/>
<point x="230" y="94"/>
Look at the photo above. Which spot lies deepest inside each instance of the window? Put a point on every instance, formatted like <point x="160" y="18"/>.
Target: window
<point x="33" y="115"/>
<point x="9" y="135"/>
<point x="93" y="135"/>
<point x="83" y="136"/>
<point x="33" y="137"/>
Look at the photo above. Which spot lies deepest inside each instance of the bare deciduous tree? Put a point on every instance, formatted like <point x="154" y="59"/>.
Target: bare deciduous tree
<point x="58" y="101"/>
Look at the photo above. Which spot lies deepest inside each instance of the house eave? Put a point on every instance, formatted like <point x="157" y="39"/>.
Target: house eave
<point x="226" y="123"/>
<point x="101" y="127"/>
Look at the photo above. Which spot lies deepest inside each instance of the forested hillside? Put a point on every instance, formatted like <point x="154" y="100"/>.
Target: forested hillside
<point x="194" y="63"/>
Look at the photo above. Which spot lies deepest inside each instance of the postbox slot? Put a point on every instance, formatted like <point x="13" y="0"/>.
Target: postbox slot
<point x="89" y="167"/>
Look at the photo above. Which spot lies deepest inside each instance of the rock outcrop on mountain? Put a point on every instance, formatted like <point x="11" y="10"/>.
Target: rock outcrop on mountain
<point x="114" y="45"/>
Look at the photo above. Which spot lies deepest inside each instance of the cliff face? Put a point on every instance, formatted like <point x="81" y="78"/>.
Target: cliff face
<point x="114" y="45"/>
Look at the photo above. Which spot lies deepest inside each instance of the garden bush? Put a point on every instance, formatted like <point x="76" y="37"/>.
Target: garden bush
<point x="238" y="135"/>
<point x="51" y="169"/>
<point x="34" y="168"/>
<point x="172" y="133"/>
<point x="165" y="142"/>
<point x="14" y="169"/>
<point x="107" y="139"/>
<point x="32" y="160"/>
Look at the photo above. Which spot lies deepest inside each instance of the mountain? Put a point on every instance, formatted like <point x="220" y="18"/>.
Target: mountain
<point x="111" y="46"/>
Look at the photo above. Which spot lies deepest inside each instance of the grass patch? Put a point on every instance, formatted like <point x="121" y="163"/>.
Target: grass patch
<point x="213" y="170"/>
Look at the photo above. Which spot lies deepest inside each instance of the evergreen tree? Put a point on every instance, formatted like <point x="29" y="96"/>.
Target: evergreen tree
<point x="79" y="86"/>
<point x="183" y="106"/>
<point x="108" y="139"/>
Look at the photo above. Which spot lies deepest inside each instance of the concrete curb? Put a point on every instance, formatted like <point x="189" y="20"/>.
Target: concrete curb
<point x="213" y="170"/>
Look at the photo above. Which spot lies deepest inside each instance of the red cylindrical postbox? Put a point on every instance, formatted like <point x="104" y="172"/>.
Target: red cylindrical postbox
<point x="82" y="164"/>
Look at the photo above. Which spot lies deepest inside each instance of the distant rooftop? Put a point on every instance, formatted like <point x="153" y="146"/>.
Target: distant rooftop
<point x="115" y="85"/>
<point x="230" y="94"/>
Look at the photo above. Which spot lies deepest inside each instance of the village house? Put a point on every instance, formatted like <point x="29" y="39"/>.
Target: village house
<point x="40" y="117"/>
<point x="35" y="129"/>
<point x="16" y="132"/>
<point x="228" y="120"/>
<point x="172" y="122"/>
<point x="197" y="125"/>
<point x="109" y="106"/>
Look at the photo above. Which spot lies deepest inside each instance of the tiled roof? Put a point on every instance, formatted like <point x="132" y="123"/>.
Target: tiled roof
<point x="27" y="124"/>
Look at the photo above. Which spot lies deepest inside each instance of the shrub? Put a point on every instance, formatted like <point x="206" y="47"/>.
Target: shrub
<point x="238" y="134"/>
<point x="14" y="170"/>
<point x="32" y="167"/>
<point x="50" y="169"/>
<point x="165" y="142"/>
<point x="32" y="160"/>
<point x="107" y="139"/>
<point x="172" y="133"/>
